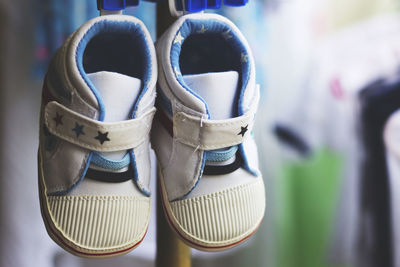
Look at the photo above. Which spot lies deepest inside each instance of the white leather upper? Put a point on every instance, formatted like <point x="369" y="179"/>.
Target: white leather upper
<point x="64" y="165"/>
<point x="182" y="156"/>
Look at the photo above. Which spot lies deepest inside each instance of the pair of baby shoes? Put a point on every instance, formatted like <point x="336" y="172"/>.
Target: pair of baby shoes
<point x="98" y="119"/>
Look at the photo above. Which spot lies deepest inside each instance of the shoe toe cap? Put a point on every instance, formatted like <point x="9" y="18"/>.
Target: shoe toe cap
<point x="100" y="223"/>
<point x="222" y="219"/>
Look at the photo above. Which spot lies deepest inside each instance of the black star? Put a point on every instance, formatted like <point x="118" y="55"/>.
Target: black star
<point x="58" y="119"/>
<point x="243" y="130"/>
<point x="78" y="129"/>
<point x="102" y="137"/>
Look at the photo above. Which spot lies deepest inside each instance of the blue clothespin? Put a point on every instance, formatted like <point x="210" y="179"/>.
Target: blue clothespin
<point x="235" y="2"/>
<point x="181" y="7"/>
<point x="213" y="4"/>
<point x="115" y="5"/>
<point x="177" y="7"/>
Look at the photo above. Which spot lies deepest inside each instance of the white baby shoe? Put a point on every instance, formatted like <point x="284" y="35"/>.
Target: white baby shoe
<point x="96" y="115"/>
<point x="212" y="190"/>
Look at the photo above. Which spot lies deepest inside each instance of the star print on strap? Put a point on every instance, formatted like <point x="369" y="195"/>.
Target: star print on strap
<point x="243" y="130"/>
<point x="78" y="129"/>
<point x="96" y="135"/>
<point x="58" y="119"/>
<point x="210" y="134"/>
<point x="102" y="137"/>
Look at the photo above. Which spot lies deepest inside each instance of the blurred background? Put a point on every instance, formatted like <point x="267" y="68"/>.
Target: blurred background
<point x="329" y="74"/>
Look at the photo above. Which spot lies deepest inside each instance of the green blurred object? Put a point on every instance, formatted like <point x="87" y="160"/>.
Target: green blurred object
<point x="307" y="200"/>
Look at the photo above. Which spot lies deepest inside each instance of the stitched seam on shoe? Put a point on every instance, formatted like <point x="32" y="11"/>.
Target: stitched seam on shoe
<point x="213" y="124"/>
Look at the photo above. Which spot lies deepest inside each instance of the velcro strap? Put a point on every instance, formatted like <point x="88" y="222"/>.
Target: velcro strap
<point x="96" y="135"/>
<point x="211" y="134"/>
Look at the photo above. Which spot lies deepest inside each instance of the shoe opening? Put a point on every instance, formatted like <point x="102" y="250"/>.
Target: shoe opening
<point x="119" y="51"/>
<point x="115" y="46"/>
<point x="210" y="46"/>
<point x="203" y="53"/>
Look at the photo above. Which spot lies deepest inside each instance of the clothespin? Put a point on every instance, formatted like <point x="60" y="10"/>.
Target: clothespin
<point x="114" y="6"/>
<point x="181" y="7"/>
<point x="177" y="7"/>
<point x="236" y="2"/>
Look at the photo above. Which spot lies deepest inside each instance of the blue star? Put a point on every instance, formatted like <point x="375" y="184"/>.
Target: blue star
<point x="78" y="129"/>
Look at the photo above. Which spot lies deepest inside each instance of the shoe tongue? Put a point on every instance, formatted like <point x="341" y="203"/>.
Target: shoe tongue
<point x="118" y="93"/>
<point x="218" y="89"/>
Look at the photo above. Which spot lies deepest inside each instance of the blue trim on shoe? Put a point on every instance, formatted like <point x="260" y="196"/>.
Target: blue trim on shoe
<point x="103" y="162"/>
<point x="220" y="155"/>
<point x="79" y="62"/>
<point x="147" y="73"/>
<point x="113" y="26"/>
<point x="54" y="80"/>
<point x="191" y="26"/>
<point x="103" y="27"/>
